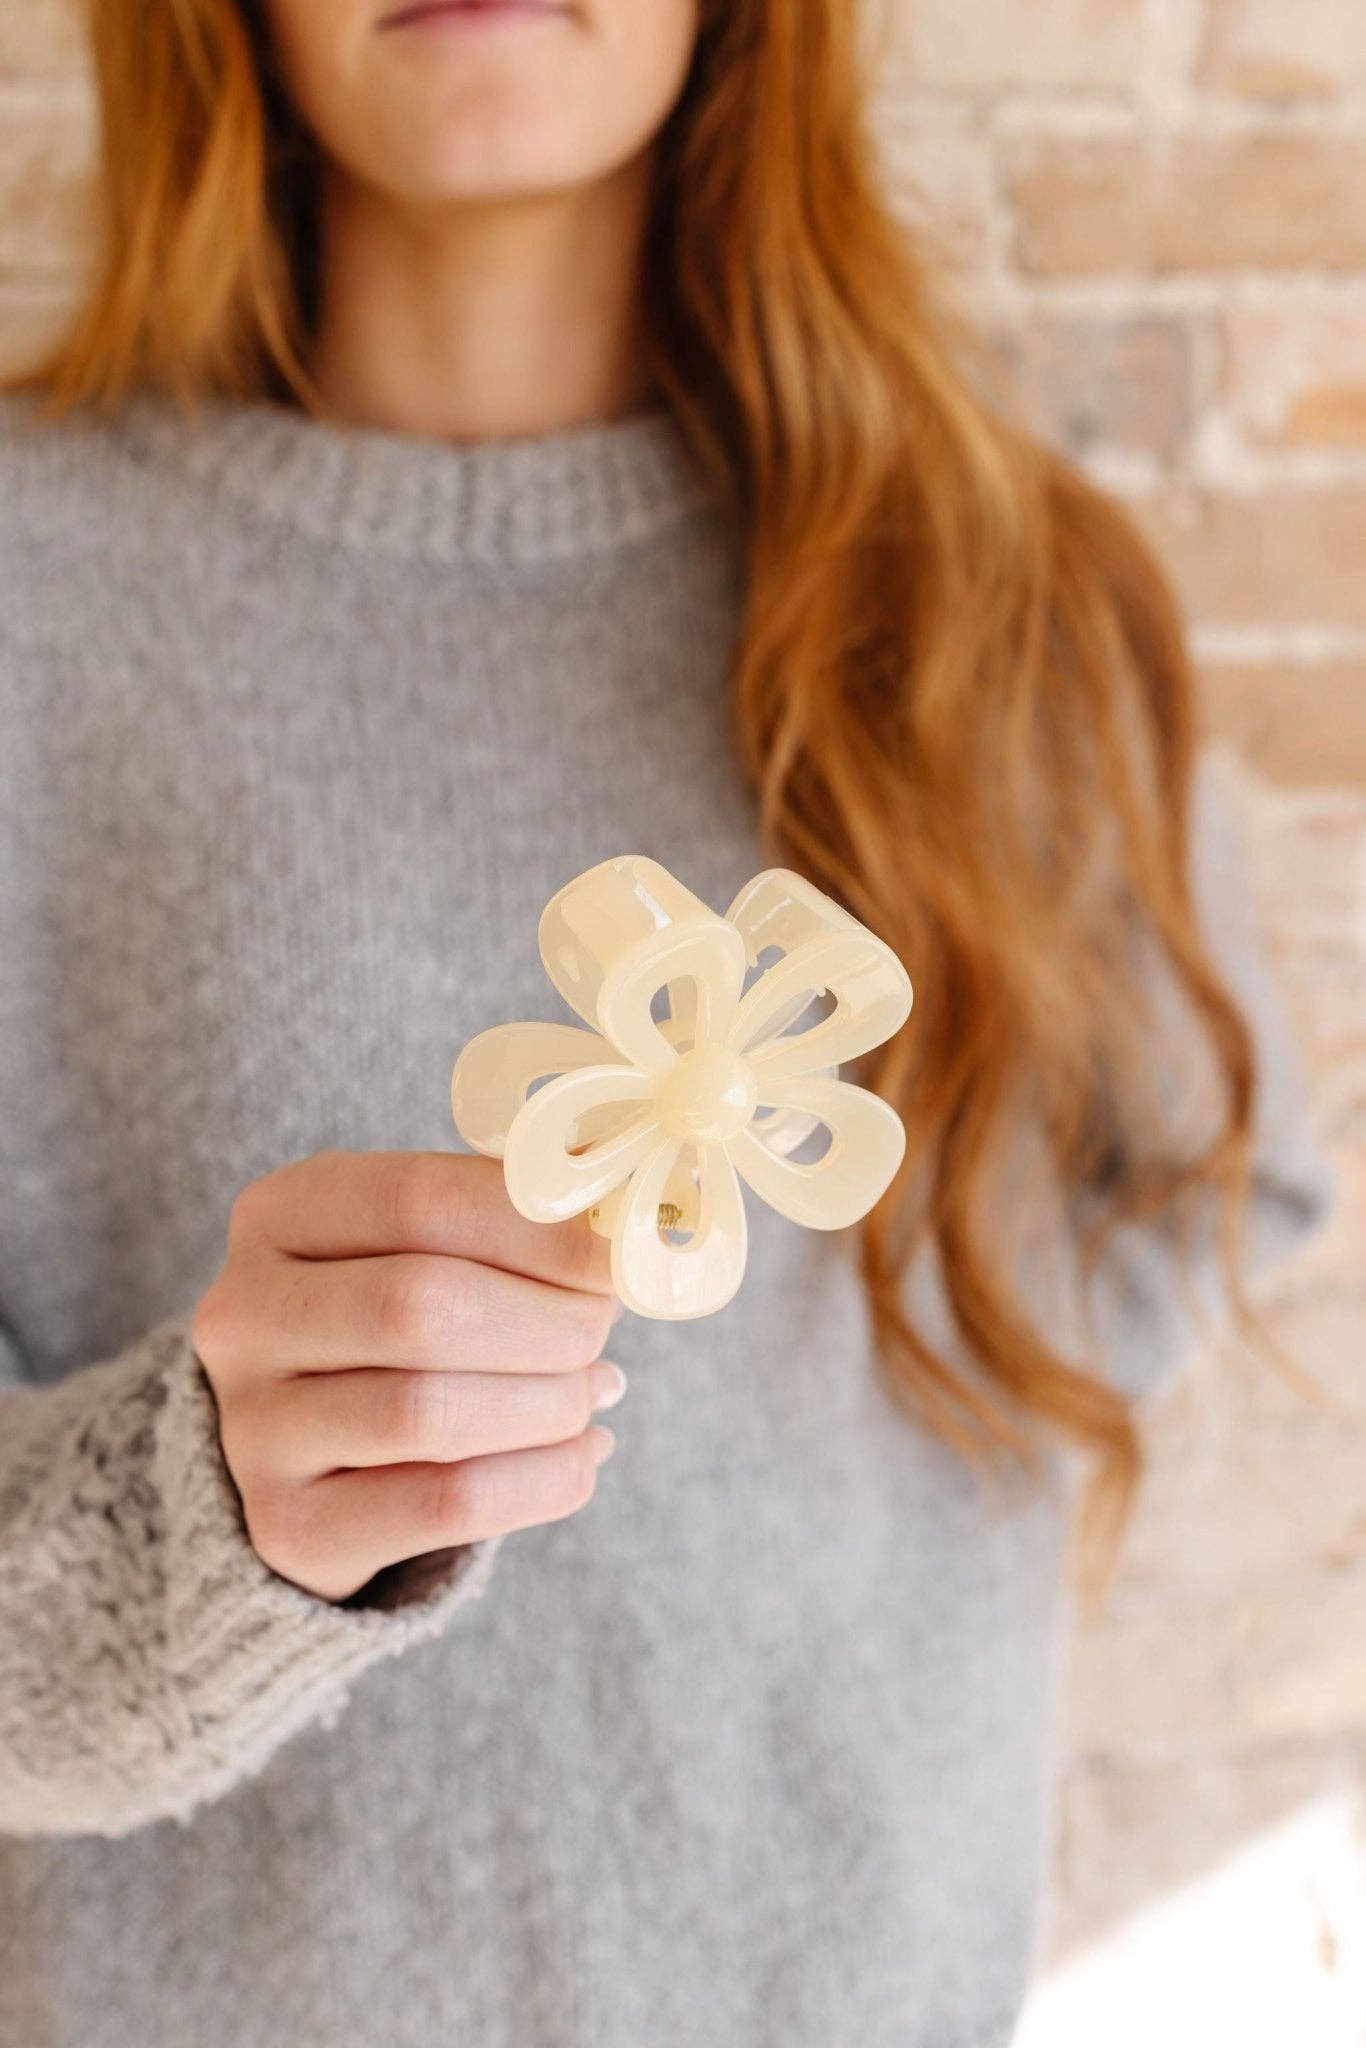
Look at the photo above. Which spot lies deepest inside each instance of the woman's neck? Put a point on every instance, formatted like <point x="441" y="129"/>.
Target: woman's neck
<point x="490" y="320"/>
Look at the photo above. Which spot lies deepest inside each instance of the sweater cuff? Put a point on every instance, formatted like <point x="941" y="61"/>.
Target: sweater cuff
<point x="257" y="1655"/>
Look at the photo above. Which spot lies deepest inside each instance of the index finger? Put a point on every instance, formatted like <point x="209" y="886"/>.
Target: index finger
<point x="348" y="1205"/>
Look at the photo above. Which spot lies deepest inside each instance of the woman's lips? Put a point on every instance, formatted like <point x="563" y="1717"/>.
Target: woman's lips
<point x="440" y="12"/>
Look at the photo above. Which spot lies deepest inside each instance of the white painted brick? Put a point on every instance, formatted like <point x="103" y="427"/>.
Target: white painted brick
<point x="46" y="180"/>
<point x="1270" y="49"/>
<point x="982" y="47"/>
<point x="41" y="38"/>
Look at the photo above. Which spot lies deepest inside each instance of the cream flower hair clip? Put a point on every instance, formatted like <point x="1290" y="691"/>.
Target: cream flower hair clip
<point x="651" y="1124"/>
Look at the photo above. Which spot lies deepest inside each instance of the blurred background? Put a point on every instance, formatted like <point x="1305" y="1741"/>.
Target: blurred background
<point x="1157" y="210"/>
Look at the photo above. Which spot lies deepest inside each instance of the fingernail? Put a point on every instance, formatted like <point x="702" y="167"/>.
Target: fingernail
<point x="609" y="1396"/>
<point x="604" y="1441"/>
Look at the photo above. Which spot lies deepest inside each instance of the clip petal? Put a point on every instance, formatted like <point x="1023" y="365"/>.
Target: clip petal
<point x="652" y="1123"/>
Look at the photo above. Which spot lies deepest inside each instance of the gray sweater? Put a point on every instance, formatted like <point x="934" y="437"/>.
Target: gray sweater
<point x="300" y="727"/>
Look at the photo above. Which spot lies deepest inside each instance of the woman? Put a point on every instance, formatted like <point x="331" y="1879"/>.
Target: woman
<point x="503" y="436"/>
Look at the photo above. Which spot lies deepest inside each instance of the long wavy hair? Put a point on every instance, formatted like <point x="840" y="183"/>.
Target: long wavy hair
<point x="960" y="685"/>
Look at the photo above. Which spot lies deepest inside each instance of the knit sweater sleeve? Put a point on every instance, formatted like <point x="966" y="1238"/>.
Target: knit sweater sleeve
<point x="1158" y="1294"/>
<point x="149" y="1659"/>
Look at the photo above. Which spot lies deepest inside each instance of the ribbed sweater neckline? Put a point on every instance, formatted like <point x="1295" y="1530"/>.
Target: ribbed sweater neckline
<point x="573" y="491"/>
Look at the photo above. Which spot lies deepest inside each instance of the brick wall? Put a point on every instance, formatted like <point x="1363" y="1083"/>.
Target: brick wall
<point x="1158" y="209"/>
<point x="1160" y="206"/>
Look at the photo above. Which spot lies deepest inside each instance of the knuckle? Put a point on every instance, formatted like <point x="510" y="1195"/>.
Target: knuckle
<point x="412" y="1186"/>
<point x="462" y="1291"/>
<point x="282" y="1524"/>
<point x="215" y="1328"/>
<point x="406" y="1300"/>
<point x="423" y="1418"/>
<point x="244" y="1212"/>
<point x="208" y="1322"/>
<point x="237" y="1435"/>
<point x="453" y="1500"/>
<point x="469" y="1498"/>
<point x="597" y="1320"/>
<point x="572" y="1402"/>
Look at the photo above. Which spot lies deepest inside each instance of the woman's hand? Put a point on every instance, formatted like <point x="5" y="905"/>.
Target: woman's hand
<point x="401" y="1362"/>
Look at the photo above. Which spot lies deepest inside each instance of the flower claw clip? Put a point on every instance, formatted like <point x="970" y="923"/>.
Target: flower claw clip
<point x="651" y="1124"/>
